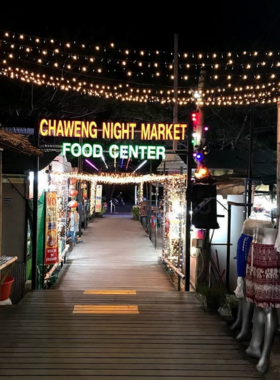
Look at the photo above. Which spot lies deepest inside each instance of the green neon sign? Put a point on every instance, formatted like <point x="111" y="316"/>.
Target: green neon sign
<point x="149" y="152"/>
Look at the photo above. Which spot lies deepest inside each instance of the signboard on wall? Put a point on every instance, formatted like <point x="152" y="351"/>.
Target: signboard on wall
<point x="51" y="245"/>
<point x="98" y="202"/>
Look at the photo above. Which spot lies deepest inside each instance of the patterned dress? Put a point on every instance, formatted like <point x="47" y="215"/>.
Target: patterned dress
<point x="263" y="276"/>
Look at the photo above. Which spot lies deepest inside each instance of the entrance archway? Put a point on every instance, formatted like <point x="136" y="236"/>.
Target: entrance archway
<point x="173" y="216"/>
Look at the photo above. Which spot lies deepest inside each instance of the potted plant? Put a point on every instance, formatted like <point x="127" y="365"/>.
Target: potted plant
<point x="135" y="212"/>
<point x="101" y="212"/>
<point x="230" y="307"/>
<point x="212" y="297"/>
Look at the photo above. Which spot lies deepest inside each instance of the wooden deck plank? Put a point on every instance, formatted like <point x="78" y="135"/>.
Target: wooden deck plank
<point x="105" y="309"/>
<point x="51" y="359"/>
<point x="200" y="355"/>
<point x="171" y="338"/>
<point x="136" y="377"/>
<point x="110" y="292"/>
<point x="160" y="373"/>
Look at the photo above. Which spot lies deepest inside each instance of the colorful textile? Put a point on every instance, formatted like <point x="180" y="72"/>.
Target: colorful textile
<point x="263" y="276"/>
<point x="243" y="246"/>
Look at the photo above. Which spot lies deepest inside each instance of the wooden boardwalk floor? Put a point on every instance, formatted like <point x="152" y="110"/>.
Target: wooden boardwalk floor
<point x="115" y="253"/>
<point x="115" y="315"/>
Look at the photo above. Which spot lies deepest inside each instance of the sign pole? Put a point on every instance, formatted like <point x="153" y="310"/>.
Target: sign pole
<point x="278" y="163"/>
<point x="35" y="210"/>
<point x="175" y="109"/>
<point x="188" y="206"/>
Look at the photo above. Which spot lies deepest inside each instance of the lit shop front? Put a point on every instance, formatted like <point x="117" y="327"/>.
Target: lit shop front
<point x="174" y="222"/>
<point x="68" y="193"/>
<point x="57" y="196"/>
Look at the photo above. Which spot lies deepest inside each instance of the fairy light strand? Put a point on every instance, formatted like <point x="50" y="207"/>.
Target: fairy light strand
<point x="233" y="78"/>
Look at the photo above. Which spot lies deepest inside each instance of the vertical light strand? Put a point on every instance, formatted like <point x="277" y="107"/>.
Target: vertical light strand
<point x="92" y="196"/>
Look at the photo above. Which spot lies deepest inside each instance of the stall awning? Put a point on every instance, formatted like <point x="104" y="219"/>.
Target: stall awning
<point x="18" y="143"/>
<point x="172" y="164"/>
<point x="15" y="163"/>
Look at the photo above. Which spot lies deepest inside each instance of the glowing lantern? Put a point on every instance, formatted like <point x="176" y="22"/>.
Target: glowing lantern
<point x="73" y="181"/>
<point x="73" y="204"/>
<point x="201" y="172"/>
<point x="73" y="193"/>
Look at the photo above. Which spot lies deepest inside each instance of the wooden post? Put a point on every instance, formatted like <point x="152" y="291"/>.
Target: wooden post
<point x="175" y="108"/>
<point x="80" y="158"/>
<point x="150" y="208"/>
<point x="35" y="210"/>
<point x="1" y="209"/>
<point x="250" y="166"/>
<point x="80" y="198"/>
<point x="228" y="245"/>
<point x="188" y="206"/>
<point x="200" y="124"/>
<point x="278" y="163"/>
<point x="156" y="215"/>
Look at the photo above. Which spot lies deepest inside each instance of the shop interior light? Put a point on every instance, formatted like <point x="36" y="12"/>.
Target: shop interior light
<point x="91" y="164"/>
<point x="140" y="166"/>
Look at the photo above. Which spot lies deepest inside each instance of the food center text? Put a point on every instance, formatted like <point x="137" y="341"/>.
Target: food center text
<point x="115" y="151"/>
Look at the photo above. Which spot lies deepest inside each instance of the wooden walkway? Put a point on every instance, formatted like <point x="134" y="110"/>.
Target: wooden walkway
<point x="115" y="315"/>
<point x="116" y="253"/>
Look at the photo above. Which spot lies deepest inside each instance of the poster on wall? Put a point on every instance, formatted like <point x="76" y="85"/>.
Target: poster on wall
<point x="98" y="200"/>
<point x="51" y="246"/>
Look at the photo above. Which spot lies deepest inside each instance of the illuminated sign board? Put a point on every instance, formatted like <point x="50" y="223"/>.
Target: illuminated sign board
<point x="51" y="244"/>
<point x="115" y="151"/>
<point x="112" y="130"/>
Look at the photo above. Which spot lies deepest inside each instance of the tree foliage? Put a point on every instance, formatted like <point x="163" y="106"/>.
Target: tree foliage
<point x="230" y="127"/>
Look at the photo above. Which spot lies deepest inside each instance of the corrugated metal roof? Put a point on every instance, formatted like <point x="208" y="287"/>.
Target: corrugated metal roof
<point x="18" y="143"/>
<point x="22" y="131"/>
<point x="172" y="162"/>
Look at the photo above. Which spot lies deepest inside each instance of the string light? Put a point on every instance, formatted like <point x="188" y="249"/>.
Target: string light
<point x="122" y="178"/>
<point x="43" y="52"/>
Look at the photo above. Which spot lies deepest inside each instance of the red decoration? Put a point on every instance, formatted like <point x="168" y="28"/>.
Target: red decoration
<point x="73" y="193"/>
<point x="73" y="204"/>
<point x="73" y="181"/>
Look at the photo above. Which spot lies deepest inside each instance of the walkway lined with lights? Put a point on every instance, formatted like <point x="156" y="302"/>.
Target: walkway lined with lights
<point x="116" y="253"/>
<point x="115" y="314"/>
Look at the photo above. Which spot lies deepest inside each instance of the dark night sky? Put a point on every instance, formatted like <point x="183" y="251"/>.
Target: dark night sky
<point x="229" y="25"/>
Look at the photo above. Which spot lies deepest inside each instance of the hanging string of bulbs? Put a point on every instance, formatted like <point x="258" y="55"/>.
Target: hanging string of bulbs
<point x="121" y="178"/>
<point x="231" y="78"/>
